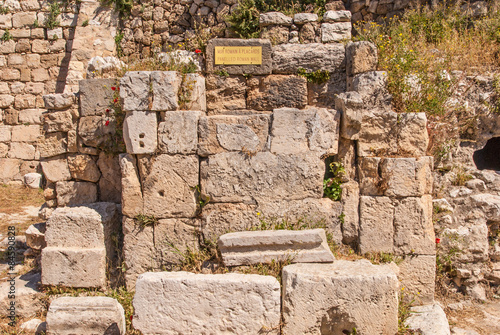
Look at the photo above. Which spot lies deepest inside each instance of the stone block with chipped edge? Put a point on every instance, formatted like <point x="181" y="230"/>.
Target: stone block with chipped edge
<point x="59" y="100"/>
<point x="74" y="267"/>
<point x="361" y="57"/>
<point x="345" y="295"/>
<point x="140" y="132"/>
<point x="71" y="193"/>
<point x="287" y="58"/>
<point x="428" y="320"/>
<point x="178" y="132"/>
<point x="262" y="69"/>
<point x="376" y="224"/>
<point x="35" y="236"/>
<point x="53" y="144"/>
<point x="96" y="96"/>
<point x="417" y="274"/>
<point x="131" y="195"/>
<point x="413" y="137"/>
<point x="276" y="91"/>
<point x="194" y="87"/>
<point x="135" y="90"/>
<point x="165" y="88"/>
<point x="296" y="246"/>
<point x="350" y="209"/>
<point x="85" y="315"/>
<point x="335" y="32"/>
<point x="165" y="302"/>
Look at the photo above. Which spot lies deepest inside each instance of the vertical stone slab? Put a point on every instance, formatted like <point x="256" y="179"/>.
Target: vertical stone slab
<point x="350" y="212"/>
<point x="376" y="230"/>
<point x="136" y="91"/>
<point x="194" y="88"/>
<point x="140" y="132"/>
<point x="165" y="88"/>
<point x="132" y="201"/>
<point x="178" y="133"/>
<point x="417" y="274"/>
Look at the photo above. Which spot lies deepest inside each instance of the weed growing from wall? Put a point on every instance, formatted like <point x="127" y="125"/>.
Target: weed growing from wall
<point x="121" y="6"/>
<point x="54" y="10"/>
<point x="244" y="20"/>
<point x="6" y="36"/>
<point x="316" y="77"/>
<point x="331" y="186"/>
<point x="145" y="220"/>
<point x="115" y="116"/>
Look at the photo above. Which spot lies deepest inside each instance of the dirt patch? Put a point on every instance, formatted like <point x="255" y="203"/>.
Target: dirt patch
<point x="19" y="207"/>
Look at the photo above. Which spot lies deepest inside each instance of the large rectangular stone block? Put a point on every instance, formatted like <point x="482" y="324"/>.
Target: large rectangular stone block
<point x="417" y="274"/>
<point x="169" y="185"/>
<point x="96" y="96"/>
<point x="376" y="224"/>
<point x="225" y="93"/>
<point x="194" y="92"/>
<point x="71" y="193"/>
<point x="340" y="297"/>
<point x="253" y="247"/>
<point x="173" y="238"/>
<point x="178" y="133"/>
<point x="234" y="177"/>
<point x="233" y="133"/>
<point x="413" y="137"/>
<point x="135" y="91"/>
<point x="165" y="88"/>
<point x="172" y="302"/>
<point x="74" y="267"/>
<point x="335" y="32"/>
<point x="140" y="132"/>
<point x="85" y="315"/>
<point x="276" y="91"/>
<point x="53" y="144"/>
<point x="287" y="58"/>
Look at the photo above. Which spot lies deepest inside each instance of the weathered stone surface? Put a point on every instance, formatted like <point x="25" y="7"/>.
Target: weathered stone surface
<point x="24" y="133"/>
<point x="337" y="16"/>
<point x="372" y="86"/>
<point x="35" y="236"/>
<point x="85" y="315"/>
<point x="135" y="91"/>
<point x="59" y="100"/>
<point x="173" y="238"/>
<point x="21" y="150"/>
<point x="263" y="69"/>
<point x="5" y="133"/>
<point x="178" y="133"/>
<point x="225" y="93"/>
<point x="132" y="201"/>
<point x="323" y="95"/>
<point x="301" y="18"/>
<point x="296" y="246"/>
<point x="376" y="230"/>
<point x="428" y="320"/>
<point x="70" y="193"/>
<point x="298" y="131"/>
<point x="417" y="276"/>
<point x="96" y="96"/>
<point x="335" y="32"/>
<point x="110" y="183"/>
<point x="57" y="121"/>
<point x="490" y="205"/>
<point x="9" y="169"/>
<point x="413" y="137"/>
<point x="28" y="298"/>
<point x="277" y="91"/>
<point x="194" y="90"/>
<point x="276" y="34"/>
<point x="34" y="326"/>
<point x="232" y="133"/>
<point x="165" y="88"/>
<point x="33" y="180"/>
<point x="274" y="18"/>
<point x="74" y="267"/>
<point x="93" y="130"/>
<point x="377" y="135"/>
<point x="55" y="169"/>
<point x="346" y="295"/>
<point x="83" y="167"/>
<point x="31" y="116"/>
<point x="350" y="210"/>
<point x="168" y="184"/>
<point x="179" y="299"/>
<point x="222" y="218"/>
<point x="361" y="57"/>
<point x="140" y="132"/>
<point x="233" y="177"/>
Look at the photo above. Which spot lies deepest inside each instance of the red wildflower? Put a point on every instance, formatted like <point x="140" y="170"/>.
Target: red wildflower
<point x="197" y="51"/>
<point x="131" y="317"/>
<point x="115" y="100"/>
<point x="107" y="123"/>
<point x="113" y="88"/>
<point x="107" y="110"/>
<point x="438" y="240"/>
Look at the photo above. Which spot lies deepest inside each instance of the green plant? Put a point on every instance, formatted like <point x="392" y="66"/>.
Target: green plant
<point x="383" y="257"/>
<point x="316" y="77"/>
<point x="4" y="10"/>
<point x="222" y="73"/>
<point x="124" y="7"/>
<point x="114" y="117"/>
<point x="145" y="220"/>
<point x="244" y="20"/>
<point x="86" y="23"/>
<point x="331" y="185"/>
<point x="51" y="21"/>
<point x="404" y="311"/>
<point x="6" y="35"/>
<point x="36" y="24"/>
<point x="460" y="177"/>
<point x="202" y="199"/>
<point x="118" y="43"/>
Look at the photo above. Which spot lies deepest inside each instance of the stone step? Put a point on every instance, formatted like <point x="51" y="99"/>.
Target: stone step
<point x="428" y="320"/>
<point x="252" y="247"/>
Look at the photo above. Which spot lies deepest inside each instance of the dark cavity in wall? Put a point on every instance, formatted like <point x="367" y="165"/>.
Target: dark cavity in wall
<point x="488" y="158"/>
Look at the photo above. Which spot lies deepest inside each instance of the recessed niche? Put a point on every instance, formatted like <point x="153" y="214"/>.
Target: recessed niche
<point x="488" y="158"/>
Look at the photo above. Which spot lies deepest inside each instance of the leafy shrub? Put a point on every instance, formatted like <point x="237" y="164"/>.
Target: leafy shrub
<point x="54" y="10"/>
<point x="244" y="20"/>
<point x="121" y="6"/>
<point x="316" y="77"/>
<point x="331" y="186"/>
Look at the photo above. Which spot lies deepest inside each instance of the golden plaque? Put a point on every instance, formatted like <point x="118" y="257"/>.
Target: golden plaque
<point x="238" y="55"/>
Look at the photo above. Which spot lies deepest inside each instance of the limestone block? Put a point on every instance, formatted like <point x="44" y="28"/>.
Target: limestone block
<point x="301" y="18"/>
<point x="233" y="133"/>
<point x="323" y="94"/>
<point x="490" y="205"/>
<point x="4" y="149"/>
<point x="28" y="298"/>
<point x="361" y="57"/>
<point x="131" y="195"/>
<point x="335" y="32"/>
<point x="413" y="137"/>
<point x="274" y="18"/>
<point x="277" y="91"/>
<point x="253" y="247"/>
<point x="85" y="315"/>
<point x="74" y="267"/>
<point x="83" y="167"/>
<point x="233" y="177"/>
<point x="24" y="133"/>
<point x="165" y="88"/>
<point x="59" y="100"/>
<point x="276" y="34"/>
<point x="178" y="133"/>
<point x="262" y="69"/>
<point x="413" y="226"/>
<point x="110" y="186"/>
<point x="9" y="169"/>
<point x="6" y="21"/>
<point x="140" y="132"/>
<point x="350" y="211"/>
<point x="6" y="100"/>
<point x="22" y="19"/>
<point x="173" y="238"/>
<point x="337" y="16"/>
<point x="239" y="304"/>
<point x="8" y="47"/>
<point x="222" y="218"/>
<point x="35" y="236"/>
<point x="5" y="133"/>
<point x="378" y="132"/>
<point x="96" y="96"/>
<point x="93" y="131"/>
<point x="428" y="320"/>
<point x="168" y="184"/>
<point x="55" y="169"/>
<point x="31" y="116"/>
<point x="33" y="180"/>
<point x="372" y="86"/>
<point x="287" y="58"/>
<point x="21" y="150"/>
<point x="70" y="193"/>
<point x="58" y="121"/>
<point x="417" y="276"/>
<point x="297" y="131"/>
<point x="346" y="295"/>
<point x="135" y="91"/>
<point x="376" y="230"/>
<point x="194" y="89"/>
<point x="225" y="93"/>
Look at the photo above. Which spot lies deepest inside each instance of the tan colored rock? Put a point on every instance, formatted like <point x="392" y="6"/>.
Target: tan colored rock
<point x="7" y="47"/>
<point x="194" y="89"/>
<point x="58" y="121"/>
<point x="35" y="236"/>
<point x="96" y="96"/>
<point x="22" y="19"/>
<point x="53" y="144"/>
<point x="430" y="319"/>
<point x="168" y="184"/>
<point x="222" y="218"/>
<point x="70" y="193"/>
<point x="178" y="133"/>
<point x="132" y="201"/>
<point x="140" y="132"/>
<point x="32" y="180"/>
<point x="287" y="58"/>
<point x="6" y="100"/>
<point x="413" y="137"/>
<point x="59" y="101"/>
<point x="21" y="150"/>
<point x="277" y="91"/>
<point x="85" y="315"/>
<point x="31" y="116"/>
<point x="110" y="183"/>
<point x="9" y="169"/>
<point x="335" y="32"/>
<point x="225" y="93"/>
<point x="361" y="57"/>
<point x="232" y="133"/>
<point x="135" y="90"/>
<point x="173" y="238"/>
<point x="5" y="133"/>
<point x="417" y="275"/>
<point x="165" y="88"/>
<point x="346" y="295"/>
<point x="83" y="167"/>
<point x="350" y="211"/>
<point x="56" y="169"/>
<point x="376" y="229"/>
<point x="182" y="299"/>
<point x="28" y="299"/>
<point x="276" y="34"/>
<point x="93" y="130"/>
